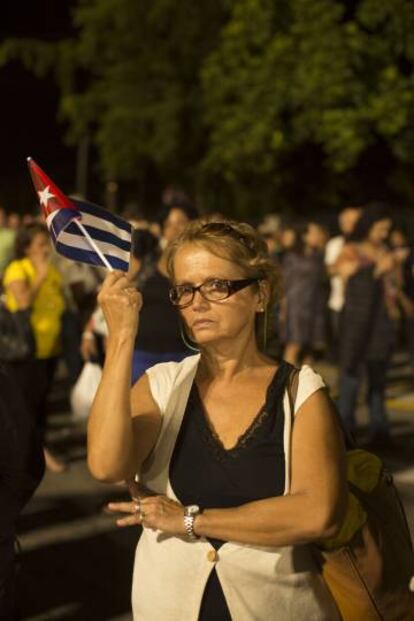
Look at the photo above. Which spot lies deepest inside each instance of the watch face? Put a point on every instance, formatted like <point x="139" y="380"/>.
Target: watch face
<point x="192" y="509"/>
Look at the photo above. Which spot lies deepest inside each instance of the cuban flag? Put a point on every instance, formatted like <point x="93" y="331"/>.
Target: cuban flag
<point x="82" y="231"/>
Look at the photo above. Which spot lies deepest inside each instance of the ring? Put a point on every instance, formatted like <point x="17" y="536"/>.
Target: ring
<point x="141" y="515"/>
<point x="137" y="507"/>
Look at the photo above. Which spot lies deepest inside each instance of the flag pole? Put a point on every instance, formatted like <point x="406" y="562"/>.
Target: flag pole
<point x="94" y="246"/>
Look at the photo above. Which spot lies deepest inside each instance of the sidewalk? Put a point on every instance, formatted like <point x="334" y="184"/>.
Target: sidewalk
<point x="76" y="564"/>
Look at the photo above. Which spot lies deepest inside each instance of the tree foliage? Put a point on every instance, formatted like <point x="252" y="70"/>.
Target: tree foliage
<point x="264" y="102"/>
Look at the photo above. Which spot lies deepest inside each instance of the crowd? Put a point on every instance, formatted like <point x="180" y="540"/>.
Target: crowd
<point x="346" y="295"/>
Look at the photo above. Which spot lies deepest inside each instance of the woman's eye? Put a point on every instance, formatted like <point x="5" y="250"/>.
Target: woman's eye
<point x="217" y="285"/>
<point x="184" y="290"/>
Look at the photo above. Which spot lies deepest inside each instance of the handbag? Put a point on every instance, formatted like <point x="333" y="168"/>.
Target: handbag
<point x="84" y="391"/>
<point x="17" y="341"/>
<point x="369" y="573"/>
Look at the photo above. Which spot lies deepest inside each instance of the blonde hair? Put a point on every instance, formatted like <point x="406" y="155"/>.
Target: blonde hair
<point x="237" y="242"/>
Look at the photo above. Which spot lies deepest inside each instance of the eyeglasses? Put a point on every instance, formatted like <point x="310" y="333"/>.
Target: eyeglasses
<point x="212" y="290"/>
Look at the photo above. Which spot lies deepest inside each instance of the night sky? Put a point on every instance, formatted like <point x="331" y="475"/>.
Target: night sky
<point x="29" y="106"/>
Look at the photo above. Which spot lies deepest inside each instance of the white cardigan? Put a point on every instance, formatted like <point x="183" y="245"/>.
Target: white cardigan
<point x="170" y="573"/>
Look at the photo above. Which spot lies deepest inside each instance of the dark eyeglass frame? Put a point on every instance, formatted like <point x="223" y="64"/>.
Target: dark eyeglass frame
<point x="233" y="287"/>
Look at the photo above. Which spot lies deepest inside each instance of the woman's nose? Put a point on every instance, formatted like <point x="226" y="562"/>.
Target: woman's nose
<point x="199" y="301"/>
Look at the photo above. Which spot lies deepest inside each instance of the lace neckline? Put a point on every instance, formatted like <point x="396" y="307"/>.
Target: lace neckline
<point x="210" y="434"/>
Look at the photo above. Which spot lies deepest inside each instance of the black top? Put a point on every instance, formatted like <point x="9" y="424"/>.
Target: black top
<point x="203" y="472"/>
<point x="159" y="329"/>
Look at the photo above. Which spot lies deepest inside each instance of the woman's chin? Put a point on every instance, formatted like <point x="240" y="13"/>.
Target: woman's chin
<point x="206" y="339"/>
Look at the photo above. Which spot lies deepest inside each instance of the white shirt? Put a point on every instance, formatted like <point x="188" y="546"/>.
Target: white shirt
<point x="258" y="582"/>
<point x="332" y="252"/>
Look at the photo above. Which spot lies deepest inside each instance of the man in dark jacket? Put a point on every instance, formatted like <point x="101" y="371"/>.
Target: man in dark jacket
<point x="21" y="470"/>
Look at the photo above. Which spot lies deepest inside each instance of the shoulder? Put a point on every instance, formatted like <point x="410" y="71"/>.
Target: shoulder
<point x="166" y="376"/>
<point x="309" y="382"/>
<point x="19" y="269"/>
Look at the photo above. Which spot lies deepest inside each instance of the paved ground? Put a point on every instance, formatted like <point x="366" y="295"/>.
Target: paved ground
<point x="74" y="562"/>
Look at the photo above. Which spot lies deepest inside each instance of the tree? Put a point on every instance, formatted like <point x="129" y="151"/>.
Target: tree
<point x="253" y="104"/>
<point x="297" y="80"/>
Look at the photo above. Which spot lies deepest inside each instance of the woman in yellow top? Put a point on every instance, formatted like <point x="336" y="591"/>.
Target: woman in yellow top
<point x="32" y="281"/>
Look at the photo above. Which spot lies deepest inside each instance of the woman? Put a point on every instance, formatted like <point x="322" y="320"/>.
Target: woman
<point x="32" y="281"/>
<point x="236" y="496"/>
<point x="305" y="284"/>
<point x="367" y="322"/>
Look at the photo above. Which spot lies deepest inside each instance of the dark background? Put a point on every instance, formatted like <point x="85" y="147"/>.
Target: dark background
<point x="29" y="107"/>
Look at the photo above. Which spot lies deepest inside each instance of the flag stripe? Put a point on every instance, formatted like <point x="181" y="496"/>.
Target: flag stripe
<point x="57" y="221"/>
<point x="102" y="214"/>
<point x="79" y="242"/>
<point x="90" y="256"/>
<point x="99" y="235"/>
<point x="100" y="222"/>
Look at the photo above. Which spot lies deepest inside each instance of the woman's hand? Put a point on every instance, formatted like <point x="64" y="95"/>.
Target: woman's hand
<point x="120" y="302"/>
<point x="88" y="348"/>
<point x="41" y="264"/>
<point x="155" y="512"/>
<point x="385" y="263"/>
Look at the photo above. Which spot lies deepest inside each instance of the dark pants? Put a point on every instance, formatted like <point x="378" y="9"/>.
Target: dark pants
<point x="349" y="383"/>
<point x="35" y="378"/>
<point x="71" y="342"/>
<point x="7" y="580"/>
<point x="333" y="335"/>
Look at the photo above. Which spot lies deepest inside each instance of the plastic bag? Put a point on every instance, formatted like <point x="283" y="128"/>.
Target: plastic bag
<point x="83" y="392"/>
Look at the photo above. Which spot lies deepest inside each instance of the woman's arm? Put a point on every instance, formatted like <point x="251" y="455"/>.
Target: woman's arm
<point x="313" y="510"/>
<point x="347" y="263"/>
<point x="316" y="505"/>
<point x="123" y="424"/>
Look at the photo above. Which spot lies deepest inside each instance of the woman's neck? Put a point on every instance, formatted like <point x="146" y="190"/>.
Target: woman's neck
<point x="224" y="361"/>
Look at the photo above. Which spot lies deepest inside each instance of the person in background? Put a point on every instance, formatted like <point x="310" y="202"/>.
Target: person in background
<point x="80" y="286"/>
<point x="347" y="219"/>
<point x="31" y="281"/>
<point x="21" y="470"/>
<point x="7" y="236"/>
<point x="367" y="323"/>
<point x="174" y="218"/>
<point x="269" y="229"/>
<point x="403" y="250"/>
<point x="14" y="221"/>
<point x="159" y="338"/>
<point x="304" y="281"/>
<point x="287" y="238"/>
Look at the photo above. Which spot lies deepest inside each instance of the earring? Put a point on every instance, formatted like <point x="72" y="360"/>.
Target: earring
<point x="265" y="328"/>
<point x="185" y="339"/>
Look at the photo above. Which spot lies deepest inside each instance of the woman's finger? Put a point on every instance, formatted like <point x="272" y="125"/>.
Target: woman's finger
<point x="112" y="278"/>
<point x="131" y="520"/>
<point x="123" y="507"/>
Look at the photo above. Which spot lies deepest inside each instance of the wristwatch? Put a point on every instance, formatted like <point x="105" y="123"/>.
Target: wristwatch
<point x="190" y="513"/>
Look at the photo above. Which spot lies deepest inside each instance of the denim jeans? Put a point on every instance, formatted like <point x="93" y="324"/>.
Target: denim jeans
<point x="349" y="384"/>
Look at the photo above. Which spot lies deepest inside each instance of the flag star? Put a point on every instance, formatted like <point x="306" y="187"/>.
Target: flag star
<point x="45" y="195"/>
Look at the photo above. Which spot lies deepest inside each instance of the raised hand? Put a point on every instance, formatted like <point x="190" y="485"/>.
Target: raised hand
<point x="121" y="303"/>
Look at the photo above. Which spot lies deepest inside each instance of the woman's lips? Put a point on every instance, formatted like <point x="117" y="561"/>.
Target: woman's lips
<point x="202" y="323"/>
